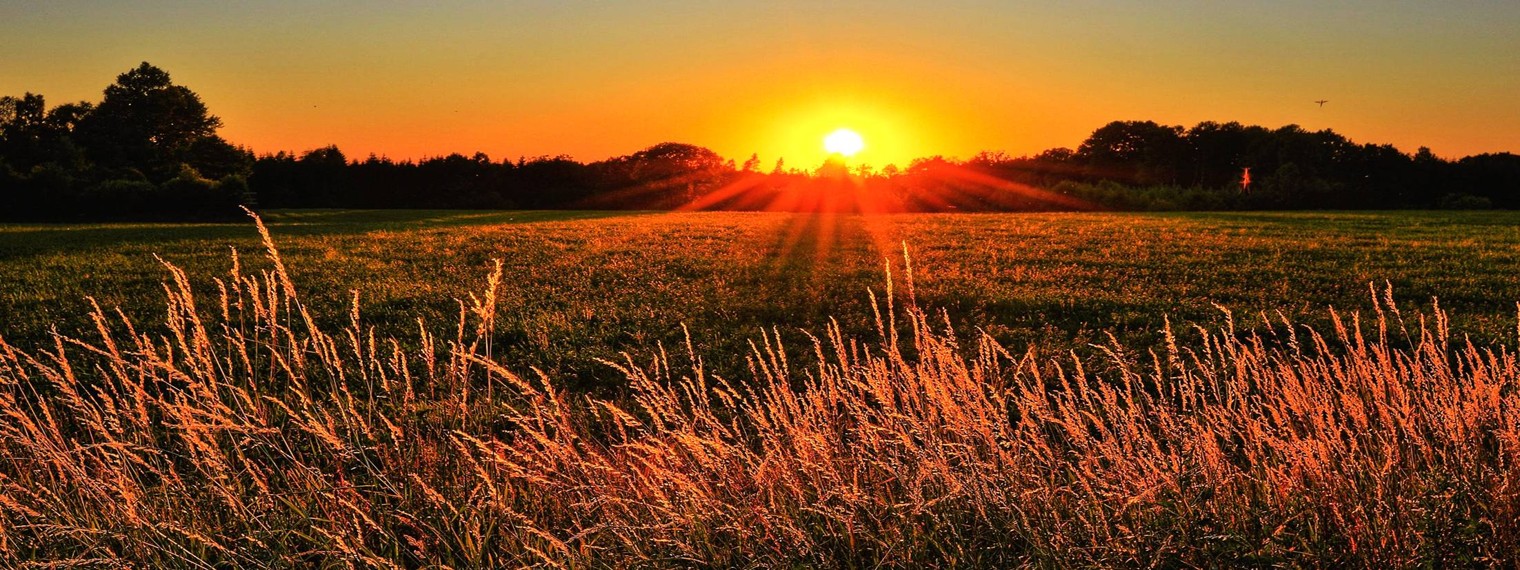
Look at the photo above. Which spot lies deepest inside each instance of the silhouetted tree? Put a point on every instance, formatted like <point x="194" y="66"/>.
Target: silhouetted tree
<point x="1220" y="152"/>
<point x="666" y="175"/>
<point x="553" y="182"/>
<point x="32" y="135"/>
<point x="323" y="179"/>
<point x="1492" y="176"/>
<point x="146" y="123"/>
<point x="1140" y="152"/>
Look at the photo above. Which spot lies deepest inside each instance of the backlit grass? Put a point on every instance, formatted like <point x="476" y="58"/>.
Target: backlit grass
<point x="243" y="432"/>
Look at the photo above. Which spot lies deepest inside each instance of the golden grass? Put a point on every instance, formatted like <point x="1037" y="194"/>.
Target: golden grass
<point x="239" y="434"/>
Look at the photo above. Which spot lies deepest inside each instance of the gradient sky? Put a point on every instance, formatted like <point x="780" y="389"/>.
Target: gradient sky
<point x="598" y="79"/>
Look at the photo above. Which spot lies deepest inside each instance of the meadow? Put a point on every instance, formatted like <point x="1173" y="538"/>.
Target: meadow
<point x="374" y="389"/>
<point x="583" y="286"/>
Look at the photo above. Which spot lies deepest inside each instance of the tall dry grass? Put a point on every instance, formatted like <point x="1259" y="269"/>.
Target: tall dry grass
<point x="238" y="434"/>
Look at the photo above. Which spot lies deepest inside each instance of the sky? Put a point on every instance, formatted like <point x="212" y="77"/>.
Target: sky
<point x="591" y="80"/>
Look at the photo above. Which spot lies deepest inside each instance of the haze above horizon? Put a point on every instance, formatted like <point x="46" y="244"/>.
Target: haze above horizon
<point x="593" y="80"/>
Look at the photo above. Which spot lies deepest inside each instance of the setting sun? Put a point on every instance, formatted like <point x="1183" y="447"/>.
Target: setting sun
<point x="843" y="142"/>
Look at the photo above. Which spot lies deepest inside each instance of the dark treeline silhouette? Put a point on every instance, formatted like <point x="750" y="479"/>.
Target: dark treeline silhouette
<point x="149" y="150"/>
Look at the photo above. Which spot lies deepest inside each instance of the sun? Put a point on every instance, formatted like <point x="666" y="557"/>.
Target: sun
<point x="843" y="142"/>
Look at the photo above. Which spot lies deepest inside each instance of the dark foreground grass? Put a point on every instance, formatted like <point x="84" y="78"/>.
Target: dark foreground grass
<point x="582" y="286"/>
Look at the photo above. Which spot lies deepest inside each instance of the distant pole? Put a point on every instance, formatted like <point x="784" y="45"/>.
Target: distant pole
<point x="1245" y="181"/>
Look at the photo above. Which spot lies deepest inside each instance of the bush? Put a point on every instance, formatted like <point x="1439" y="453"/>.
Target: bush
<point x="1110" y="195"/>
<point x="120" y="199"/>
<point x="190" y="195"/>
<point x="234" y="191"/>
<point x="1465" y="202"/>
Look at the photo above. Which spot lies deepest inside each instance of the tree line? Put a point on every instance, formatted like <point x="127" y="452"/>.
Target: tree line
<point x="149" y="149"/>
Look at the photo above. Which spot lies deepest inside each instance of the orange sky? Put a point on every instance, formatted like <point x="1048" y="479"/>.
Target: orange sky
<point x="598" y="79"/>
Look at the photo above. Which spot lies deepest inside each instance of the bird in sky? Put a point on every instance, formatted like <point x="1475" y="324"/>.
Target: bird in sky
<point x="1322" y="102"/>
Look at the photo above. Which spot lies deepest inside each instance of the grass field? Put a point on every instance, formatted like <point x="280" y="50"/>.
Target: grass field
<point x="584" y="286"/>
<point x="254" y="417"/>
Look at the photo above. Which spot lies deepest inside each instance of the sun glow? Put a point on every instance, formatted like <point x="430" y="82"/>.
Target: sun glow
<point x="844" y="142"/>
<point x="794" y="126"/>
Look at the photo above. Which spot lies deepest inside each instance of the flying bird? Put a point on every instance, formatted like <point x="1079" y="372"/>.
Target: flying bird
<point x="1322" y="102"/>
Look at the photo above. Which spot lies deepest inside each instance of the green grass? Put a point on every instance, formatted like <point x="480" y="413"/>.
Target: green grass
<point x="580" y="286"/>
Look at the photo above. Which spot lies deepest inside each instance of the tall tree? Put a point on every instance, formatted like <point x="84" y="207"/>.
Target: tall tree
<point x="1141" y="152"/>
<point x="666" y="175"/>
<point x="32" y="135"/>
<point x="146" y="123"/>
